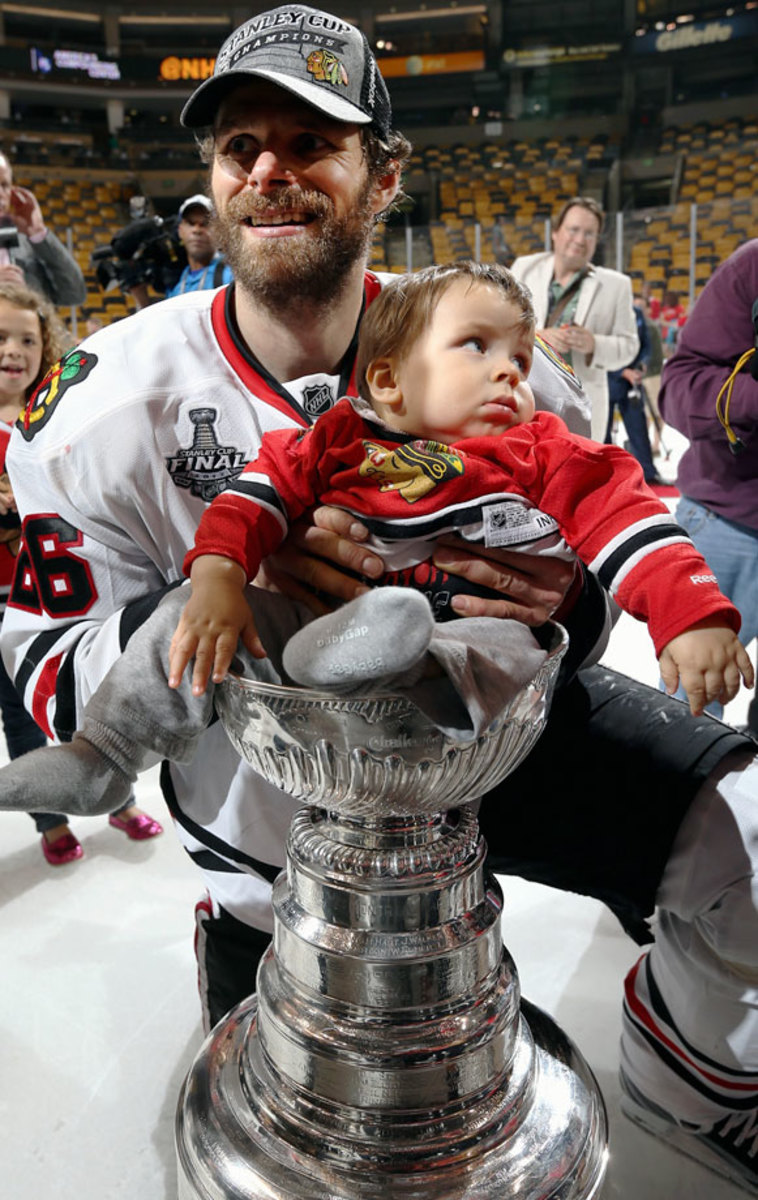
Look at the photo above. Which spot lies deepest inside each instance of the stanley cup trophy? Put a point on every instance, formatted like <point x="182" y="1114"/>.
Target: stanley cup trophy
<point x="387" y="1054"/>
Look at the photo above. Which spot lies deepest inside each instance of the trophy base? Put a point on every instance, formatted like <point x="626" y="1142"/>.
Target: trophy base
<point x="544" y="1137"/>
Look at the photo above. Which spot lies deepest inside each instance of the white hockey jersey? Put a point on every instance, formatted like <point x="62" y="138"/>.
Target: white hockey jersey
<point x="119" y="451"/>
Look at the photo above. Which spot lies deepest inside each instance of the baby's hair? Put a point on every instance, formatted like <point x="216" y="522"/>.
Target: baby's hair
<point x="55" y="339"/>
<point x="404" y="308"/>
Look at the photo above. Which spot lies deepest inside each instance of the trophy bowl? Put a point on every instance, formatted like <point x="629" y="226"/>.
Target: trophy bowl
<point x="378" y="755"/>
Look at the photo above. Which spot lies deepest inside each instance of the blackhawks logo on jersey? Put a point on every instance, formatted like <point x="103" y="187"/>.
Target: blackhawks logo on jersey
<point x="413" y="469"/>
<point x="73" y="368"/>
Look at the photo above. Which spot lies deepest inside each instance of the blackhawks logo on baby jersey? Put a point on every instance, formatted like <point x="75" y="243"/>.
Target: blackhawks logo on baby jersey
<point x="73" y="368"/>
<point x="413" y="469"/>
<point x="205" y="467"/>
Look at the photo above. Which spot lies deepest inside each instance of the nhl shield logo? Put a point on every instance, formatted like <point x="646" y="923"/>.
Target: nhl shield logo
<point x="205" y="467"/>
<point x="317" y="399"/>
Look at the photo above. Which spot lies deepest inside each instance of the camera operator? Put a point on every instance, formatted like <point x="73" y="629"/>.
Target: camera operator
<point x="145" y="254"/>
<point x="205" y="266"/>
<point x="29" y="252"/>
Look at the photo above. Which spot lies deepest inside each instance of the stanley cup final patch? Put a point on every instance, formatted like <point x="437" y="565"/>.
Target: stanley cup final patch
<point x="206" y="467"/>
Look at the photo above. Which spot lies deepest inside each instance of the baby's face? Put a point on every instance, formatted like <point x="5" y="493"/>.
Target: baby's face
<point x="466" y="375"/>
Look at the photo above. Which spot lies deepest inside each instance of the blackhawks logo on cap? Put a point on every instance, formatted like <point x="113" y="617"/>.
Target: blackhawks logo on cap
<point x="325" y="67"/>
<point x="73" y="368"/>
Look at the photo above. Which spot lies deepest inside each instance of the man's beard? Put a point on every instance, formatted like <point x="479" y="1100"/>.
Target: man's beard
<point x="282" y="273"/>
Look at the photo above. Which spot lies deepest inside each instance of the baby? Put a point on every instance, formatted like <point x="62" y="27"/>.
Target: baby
<point x="444" y="438"/>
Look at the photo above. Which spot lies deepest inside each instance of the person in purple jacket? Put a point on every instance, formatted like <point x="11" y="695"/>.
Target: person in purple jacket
<point x="718" y="473"/>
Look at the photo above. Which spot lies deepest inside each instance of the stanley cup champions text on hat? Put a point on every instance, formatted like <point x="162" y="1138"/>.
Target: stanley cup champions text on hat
<point x="322" y="59"/>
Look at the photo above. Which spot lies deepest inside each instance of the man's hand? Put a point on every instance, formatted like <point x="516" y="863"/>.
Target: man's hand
<point x="557" y="337"/>
<point x="312" y="558"/>
<point x="216" y="616"/>
<point x="534" y="587"/>
<point x="26" y="212"/>
<point x="567" y="339"/>
<point x="580" y="338"/>
<point x="709" y="661"/>
<point x="11" y="273"/>
<point x="140" y="295"/>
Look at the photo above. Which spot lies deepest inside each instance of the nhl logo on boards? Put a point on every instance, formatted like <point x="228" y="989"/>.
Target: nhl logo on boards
<point x="317" y="399"/>
<point x="205" y="467"/>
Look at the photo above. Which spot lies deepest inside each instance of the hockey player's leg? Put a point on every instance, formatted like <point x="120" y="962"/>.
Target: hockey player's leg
<point x="689" y="1049"/>
<point x="228" y="954"/>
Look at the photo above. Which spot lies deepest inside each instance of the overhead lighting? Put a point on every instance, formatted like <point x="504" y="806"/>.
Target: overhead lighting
<point x="66" y="14"/>
<point x="165" y="19"/>
<point x="422" y="13"/>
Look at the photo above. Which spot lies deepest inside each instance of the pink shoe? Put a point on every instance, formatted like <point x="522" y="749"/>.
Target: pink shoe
<point x="138" y="828"/>
<point x="64" y="849"/>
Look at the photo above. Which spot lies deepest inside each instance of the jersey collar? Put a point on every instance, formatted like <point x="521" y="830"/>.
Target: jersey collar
<point x="254" y="375"/>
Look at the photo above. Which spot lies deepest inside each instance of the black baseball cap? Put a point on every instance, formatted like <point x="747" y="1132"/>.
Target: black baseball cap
<point x="322" y="59"/>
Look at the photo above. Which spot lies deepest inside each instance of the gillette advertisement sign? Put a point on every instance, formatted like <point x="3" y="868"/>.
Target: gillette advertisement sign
<point x="696" y="35"/>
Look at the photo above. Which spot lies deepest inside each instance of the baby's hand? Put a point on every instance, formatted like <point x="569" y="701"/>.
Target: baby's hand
<point x="708" y="660"/>
<point x="215" y="617"/>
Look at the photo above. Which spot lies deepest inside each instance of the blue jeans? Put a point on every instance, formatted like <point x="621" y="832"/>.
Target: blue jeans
<point x="731" y="552"/>
<point x="634" y="415"/>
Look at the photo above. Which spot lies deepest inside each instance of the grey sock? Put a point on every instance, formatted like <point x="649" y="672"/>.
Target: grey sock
<point x="78" y="778"/>
<point x="379" y="635"/>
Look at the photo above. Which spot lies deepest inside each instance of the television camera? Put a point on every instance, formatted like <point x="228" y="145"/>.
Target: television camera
<point x="8" y="234"/>
<point x="146" y="251"/>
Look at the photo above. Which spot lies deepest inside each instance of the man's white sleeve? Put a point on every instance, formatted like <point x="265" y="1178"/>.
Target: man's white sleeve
<point x="557" y="389"/>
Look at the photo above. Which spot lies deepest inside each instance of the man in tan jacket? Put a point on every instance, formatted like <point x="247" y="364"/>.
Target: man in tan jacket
<point x="584" y="312"/>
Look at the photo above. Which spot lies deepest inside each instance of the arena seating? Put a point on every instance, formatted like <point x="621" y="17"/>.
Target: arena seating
<point x="719" y="176"/>
<point x="491" y="199"/>
<point x="93" y="210"/>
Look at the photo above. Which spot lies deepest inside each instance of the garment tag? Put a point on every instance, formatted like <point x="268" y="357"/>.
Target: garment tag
<point x="512" y="522"/>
